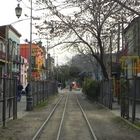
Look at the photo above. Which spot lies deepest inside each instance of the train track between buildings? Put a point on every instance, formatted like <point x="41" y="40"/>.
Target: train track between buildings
<point x="53" y="126"/>
<point x="87" y="121"/>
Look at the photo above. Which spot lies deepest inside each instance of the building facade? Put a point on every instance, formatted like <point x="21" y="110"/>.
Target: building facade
<point x="2" y="56"/>
<point x="9" y="50"/>
<point x="24" y="65"/>
<point x="131" y="61"/>
<point x="38" y="67"/>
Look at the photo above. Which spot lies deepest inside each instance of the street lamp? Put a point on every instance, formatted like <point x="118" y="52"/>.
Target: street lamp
<point x="18" y="10"/>
<point x="29" y="98"/>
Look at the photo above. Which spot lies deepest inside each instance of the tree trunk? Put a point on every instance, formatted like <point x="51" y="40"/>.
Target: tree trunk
<point x="105" y="74"/>
<point x="101" y="58"/>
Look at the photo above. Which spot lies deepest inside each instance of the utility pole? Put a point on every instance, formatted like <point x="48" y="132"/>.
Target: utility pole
<point x="29" y="97"/>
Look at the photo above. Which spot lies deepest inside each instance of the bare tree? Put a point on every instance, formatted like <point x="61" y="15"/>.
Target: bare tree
<point x="126" y="4"/>
<point x="83" y="24"/>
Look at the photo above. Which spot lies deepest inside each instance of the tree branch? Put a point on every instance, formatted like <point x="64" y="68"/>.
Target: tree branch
<point x="126" y="7"/>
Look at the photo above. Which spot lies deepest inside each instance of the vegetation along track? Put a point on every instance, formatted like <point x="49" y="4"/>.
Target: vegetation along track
<point x="55" y="127"/>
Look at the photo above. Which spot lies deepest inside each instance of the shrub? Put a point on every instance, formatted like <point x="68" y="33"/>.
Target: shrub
<point x="91" y="88"/>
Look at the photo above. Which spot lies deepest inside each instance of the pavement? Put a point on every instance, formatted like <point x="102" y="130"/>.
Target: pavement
<point x="21" y="107"/>
<point x="116" y="110"/>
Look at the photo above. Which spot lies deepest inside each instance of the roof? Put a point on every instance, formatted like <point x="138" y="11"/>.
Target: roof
<point x="12" y="28"/>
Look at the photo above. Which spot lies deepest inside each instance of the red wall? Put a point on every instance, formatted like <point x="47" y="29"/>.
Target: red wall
<point x="24" y="51"/>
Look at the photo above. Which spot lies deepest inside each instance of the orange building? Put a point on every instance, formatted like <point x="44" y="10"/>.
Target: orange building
<point x="37" y="59"/>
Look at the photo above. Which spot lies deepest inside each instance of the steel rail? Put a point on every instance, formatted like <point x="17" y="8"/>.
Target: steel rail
<point x="62" y="119"/>
<point x="88" y="123"/>
<point x="46" y="121"/>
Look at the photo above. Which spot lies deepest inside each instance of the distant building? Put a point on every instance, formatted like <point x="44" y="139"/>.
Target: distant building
<point x="88" y="65"/>
<point x="50" y="66"/>
<point x="130" y="61"/>
<point x="24" y="65"/>
<point x="38" y="67"/>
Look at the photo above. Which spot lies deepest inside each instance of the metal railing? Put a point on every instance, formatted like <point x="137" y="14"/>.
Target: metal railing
<point x="127" y="99"/>
<point x="106" y="93"/>
<point x="42" y="90"/>
<point x="8" y="102"/>
<point x="8" y="96"/>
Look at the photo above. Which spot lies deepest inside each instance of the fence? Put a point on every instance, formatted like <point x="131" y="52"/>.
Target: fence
<point x="8" y="103"/>
<point x="134" y="98"/>
<point x="41" y="90"/>
<point x="128" y="98"/>
<point x="106" y="93"/>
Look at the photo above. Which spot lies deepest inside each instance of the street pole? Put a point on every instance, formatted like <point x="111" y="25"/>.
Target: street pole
<point x="29" y="98"/>
<point x="111" y="34"/>
<point x="48" y="62"/>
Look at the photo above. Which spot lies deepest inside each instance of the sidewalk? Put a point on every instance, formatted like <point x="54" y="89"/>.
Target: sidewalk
<point x="21" y="107"/>
<point x="116" y="110"/>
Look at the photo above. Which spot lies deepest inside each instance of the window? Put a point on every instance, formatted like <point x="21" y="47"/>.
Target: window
<point x="2" y="47"/>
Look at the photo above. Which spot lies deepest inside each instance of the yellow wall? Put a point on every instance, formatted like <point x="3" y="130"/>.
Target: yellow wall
<point x="39" y="56"/>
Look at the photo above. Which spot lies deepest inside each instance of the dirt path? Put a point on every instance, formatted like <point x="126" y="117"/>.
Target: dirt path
<point x="106" y="125"/>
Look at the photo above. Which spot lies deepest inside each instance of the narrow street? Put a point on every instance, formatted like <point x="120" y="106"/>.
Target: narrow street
<point x="104" y="123"/>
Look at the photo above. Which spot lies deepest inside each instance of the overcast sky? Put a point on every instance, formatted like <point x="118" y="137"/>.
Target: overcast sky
<point x="7" y="16"/>
<point x="7" y="11"/>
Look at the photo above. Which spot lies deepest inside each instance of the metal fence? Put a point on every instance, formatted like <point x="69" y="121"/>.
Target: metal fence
<point x="134" y="98"/>
<point x="41" y="90"/>
<point x="8" y="103"/>
<point x="106" y="93"/>
<point x="128" y="98"/>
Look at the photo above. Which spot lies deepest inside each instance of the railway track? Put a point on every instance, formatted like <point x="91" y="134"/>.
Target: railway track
<point x="87" y="121"/>
<point x="54" y="126"/>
